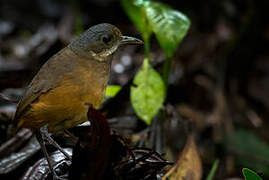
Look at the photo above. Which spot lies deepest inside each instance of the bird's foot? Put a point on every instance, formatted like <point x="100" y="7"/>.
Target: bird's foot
<point x="55" y="171"/>
<point x="46" y="136"/>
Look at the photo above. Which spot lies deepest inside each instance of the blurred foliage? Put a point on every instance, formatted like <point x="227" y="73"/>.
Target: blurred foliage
<point x="213" y="170"/>
<point x="112" y="90"/>
<point x="250" y="175"/>
<point x="250" y="150"/>
<point x="170" y="26"/>
<point x="78" y="24"/>
<point x="138" y="16"/>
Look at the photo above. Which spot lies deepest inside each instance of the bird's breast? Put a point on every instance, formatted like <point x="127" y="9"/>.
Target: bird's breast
<point x="87" y="83"/>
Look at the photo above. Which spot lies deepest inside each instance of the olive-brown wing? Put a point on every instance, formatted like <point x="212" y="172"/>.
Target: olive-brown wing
<point x="46" y="79"/>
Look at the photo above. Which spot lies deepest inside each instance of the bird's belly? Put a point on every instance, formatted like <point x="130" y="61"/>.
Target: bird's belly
<point x="63" y="107"/>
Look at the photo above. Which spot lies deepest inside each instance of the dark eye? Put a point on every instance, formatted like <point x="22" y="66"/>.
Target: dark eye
<point x="106" y="39"/>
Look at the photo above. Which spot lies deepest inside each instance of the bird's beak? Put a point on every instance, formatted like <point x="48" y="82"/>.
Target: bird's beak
<point x="130" y="40"/>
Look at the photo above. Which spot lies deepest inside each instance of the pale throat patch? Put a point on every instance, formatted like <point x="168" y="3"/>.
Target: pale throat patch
<point x="102" y="55"/>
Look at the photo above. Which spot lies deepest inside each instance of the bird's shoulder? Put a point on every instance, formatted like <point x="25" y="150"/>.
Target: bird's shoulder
<point x="47" y="78"/>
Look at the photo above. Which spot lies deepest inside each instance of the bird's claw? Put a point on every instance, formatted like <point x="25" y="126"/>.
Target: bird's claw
<point x="56" y="177"/>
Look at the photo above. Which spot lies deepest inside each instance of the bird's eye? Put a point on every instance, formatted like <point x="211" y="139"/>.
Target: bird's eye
<point x="106" y="39"/>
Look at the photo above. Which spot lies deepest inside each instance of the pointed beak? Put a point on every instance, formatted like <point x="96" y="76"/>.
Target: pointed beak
<point x="130" y="40"/>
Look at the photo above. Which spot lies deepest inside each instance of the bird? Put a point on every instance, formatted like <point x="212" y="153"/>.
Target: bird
<point x="68" y="84"/>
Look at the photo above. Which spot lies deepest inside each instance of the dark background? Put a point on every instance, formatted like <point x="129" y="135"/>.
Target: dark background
<point x="220" y="74"/>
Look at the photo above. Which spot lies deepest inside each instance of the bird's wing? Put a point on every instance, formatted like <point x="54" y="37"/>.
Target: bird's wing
<point x="46" y="79"/>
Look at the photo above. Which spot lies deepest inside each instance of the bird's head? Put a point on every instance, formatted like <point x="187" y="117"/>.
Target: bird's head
<point x="101" y="41"/>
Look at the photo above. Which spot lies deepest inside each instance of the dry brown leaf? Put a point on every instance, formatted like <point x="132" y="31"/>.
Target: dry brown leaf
<point x="188" y="165"/>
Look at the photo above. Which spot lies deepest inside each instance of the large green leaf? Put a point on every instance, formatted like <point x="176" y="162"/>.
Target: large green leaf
<point x="169" y="25"/>
<point x="250" y="175"/>
<point x="148" y="92"/>
<point x="137" y="15"/>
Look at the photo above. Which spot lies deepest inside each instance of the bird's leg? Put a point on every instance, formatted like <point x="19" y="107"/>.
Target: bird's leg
<point x="74" y="138"/>
<point x="46" y="135"/>
<point x="40" y="139"/>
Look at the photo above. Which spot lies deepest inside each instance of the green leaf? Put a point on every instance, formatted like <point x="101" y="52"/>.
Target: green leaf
<point x="169" y="25"/>
<point x="148" y="92"/>
<point x="250" y="175"/>
<point x="112" y="90"/>
<point x="250" y="150"/>
<point x="137" y="14"/>
<point x="213" y="170"/>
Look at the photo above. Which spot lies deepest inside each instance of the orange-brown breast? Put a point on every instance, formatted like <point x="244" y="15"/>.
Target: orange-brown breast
<point x="66" y="105"/>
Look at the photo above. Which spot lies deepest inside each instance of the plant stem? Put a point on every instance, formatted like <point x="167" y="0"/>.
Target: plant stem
<point x="146" y="46"/>
<point x="146" y="62"/>
<point x="166" y="71"/>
